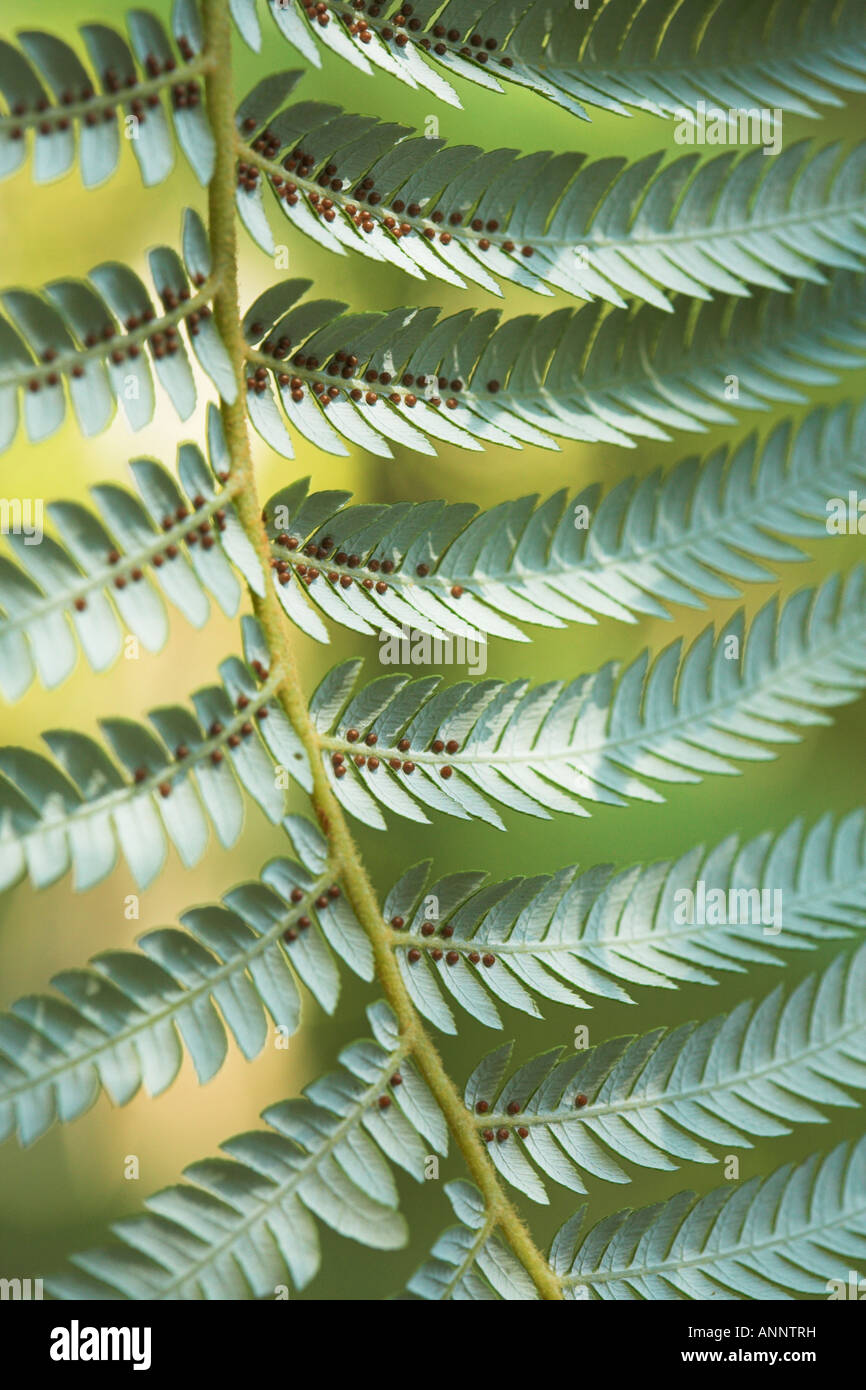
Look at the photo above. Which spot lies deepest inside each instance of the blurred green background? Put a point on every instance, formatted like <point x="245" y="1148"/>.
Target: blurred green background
<point x="60" y="1195"/>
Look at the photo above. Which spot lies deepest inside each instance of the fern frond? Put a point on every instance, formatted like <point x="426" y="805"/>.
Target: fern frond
<point x="52" y="96"/>
<point x="100" y="336"/>
<point x="763" y="1239"/>
<point x="448" y="570"/>
<point x="604" y="229"/>
<point x="76" y="808"/>
<point x="123" y="1022"/>
<point x="240" y="1222"/>
<point x="787" y="1233"/>
<point x="87" y="583"/>
<point x="556" y="746"/>
<point x="657" y="57"/>
<point x="471" y="1262"/>
<point x="591" y="374"/>
<point x="652" y="1100"/>
<point x="549" y="936"/>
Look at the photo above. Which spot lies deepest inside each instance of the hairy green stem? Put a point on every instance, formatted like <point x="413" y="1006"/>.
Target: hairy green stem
<point x="267" y="609"/>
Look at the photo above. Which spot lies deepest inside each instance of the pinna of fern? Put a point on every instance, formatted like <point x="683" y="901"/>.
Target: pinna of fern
<point x="93" y="582"/>
<point x="540" y="220"/>
<point x="614" y="55"/>
<point x="241" y="1222"/>
<point x="598" y="738"/>
<point x="703" y="529"/>
<point x="99" y="338"/>
<point x="166" y="783"/>
<point x="593" y="375"/>
<point x="670" y="1094"/>
<point x="53" y="98"/>
<point x="564" y="936"/>
<point x="124" y="1022"/>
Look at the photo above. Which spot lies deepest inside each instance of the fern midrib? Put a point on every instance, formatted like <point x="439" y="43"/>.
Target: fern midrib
<point x="535" y="757"/>
<point x="818" y="214"/>
<point x="275" y="628"/>
<point x="65" y="360"/>
<point x="129" y="560"/>
<point x="731" y="1082"/>
<point x="784" y="1239"/>
<point x="205" y="988"/>
<point x="287" y="1188"/>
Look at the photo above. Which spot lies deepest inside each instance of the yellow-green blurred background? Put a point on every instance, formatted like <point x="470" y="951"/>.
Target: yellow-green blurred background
<point x="61" y="1194"/>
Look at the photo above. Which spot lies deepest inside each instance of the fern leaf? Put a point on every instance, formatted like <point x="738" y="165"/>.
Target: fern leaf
<point x="100" y="337"/>
<point x="784" y="1234"/>
<point x="657" y="57"/>
<point x="764" y="1239"/>
<point x="123" y="1022"/>
<point x="52" y="97"/>
<point x="239" y="1222"/>
<point x="662" y="1098"/>
<point x="556" y="746"/>
<point x="74" y="809"/>
<point x="701" y="529"/>
<point x="87" y="583"/>
<point x="471" y="1262"/>
<point x="593" y="374"/>
<point x="604" y="229"/>
<point x="599" y="931"/>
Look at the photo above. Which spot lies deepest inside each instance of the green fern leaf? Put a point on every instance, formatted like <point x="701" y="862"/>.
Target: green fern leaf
<point x="88" y="585"/>
<point x="652" y="1100"/>
<point x="766" y="1238"/>
<point x="786" y="1233"/>
<point x="471" y="1262"/>
<point x="52" y="96"/>
<point x="556" y="746"/>
<point x="123" y="1022"/>
<point x="657" y="57"/>
<point x="592" y="375"/>
<point x="550" y="936"/>
<point x="240" y="1222"/>
<point x="99" y="336"/>
<point x="448" y="570"/>
<point x="75" y="809"/>
<point x="604" y="229"/>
